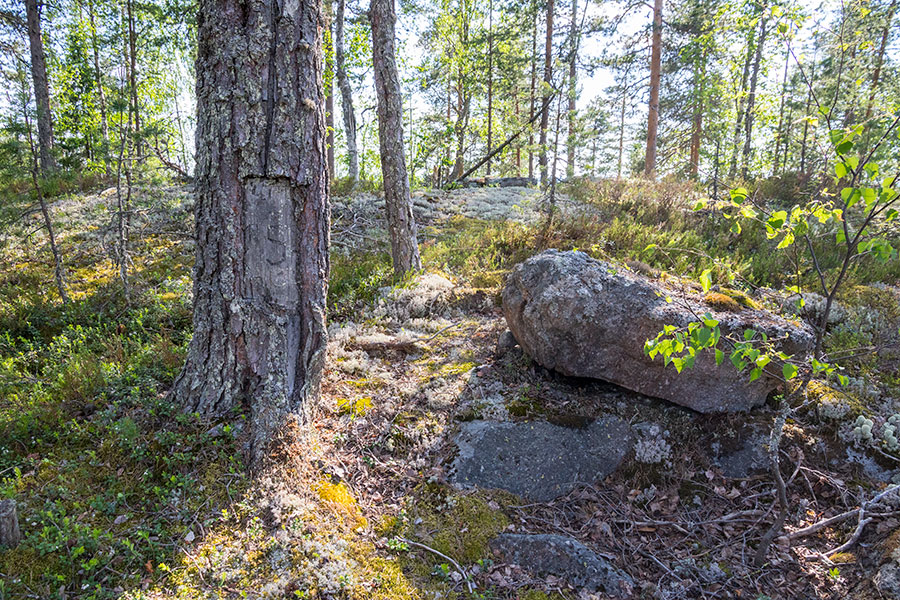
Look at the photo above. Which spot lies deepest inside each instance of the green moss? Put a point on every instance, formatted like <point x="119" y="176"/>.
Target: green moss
<point x="865" y="296"/>
<point x="535" y="594"/>
<point x="828" y="401"/>
<point x="740" y="297"/>
<point x="461" y="527"/>
<point x="722" y="302"/>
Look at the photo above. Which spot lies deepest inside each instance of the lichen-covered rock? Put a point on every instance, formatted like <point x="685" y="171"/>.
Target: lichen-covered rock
<point x="566" y="558"/>
<point x="585" y="318"/>
<point x="538" y="460"/>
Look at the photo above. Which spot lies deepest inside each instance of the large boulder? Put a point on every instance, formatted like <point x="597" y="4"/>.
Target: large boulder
<point x="586" y="318"/>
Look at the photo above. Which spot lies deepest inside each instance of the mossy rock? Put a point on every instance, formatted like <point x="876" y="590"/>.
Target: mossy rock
<point x="721" y="302"/>
<point x="740" y="297"/>
<point x="832" y="403"/>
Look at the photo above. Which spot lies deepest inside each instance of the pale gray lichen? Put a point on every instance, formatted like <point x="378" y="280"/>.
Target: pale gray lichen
<point x="862" y="431"/>
<point x="652" y="447"/>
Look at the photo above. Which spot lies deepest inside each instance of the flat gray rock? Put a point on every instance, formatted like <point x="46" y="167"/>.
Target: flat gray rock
<point x="563" y="557"/>
<point x="538" y="461"/>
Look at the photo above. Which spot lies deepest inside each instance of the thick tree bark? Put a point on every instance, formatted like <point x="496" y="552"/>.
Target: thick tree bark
<point x="655" y="73"/>
<point x="573" y="83"/>
<point x="346" y="95"/>
<point x="751" y="99"/>
<point x="41" y="86"/>
<point x="262" y="216"/>
<point x="548" y="83"/>
<point x="402" y="226"/>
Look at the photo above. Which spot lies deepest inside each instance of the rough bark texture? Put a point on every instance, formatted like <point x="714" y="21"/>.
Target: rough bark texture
<point x="262" y="215"/>
<point x="402" y="226"/>
<point x="346" y="95"/>
<point x="10" y="535"/>
<point x="655" y="69"/>
<point x="41" y="87"/>
<point x="548" y="82"/>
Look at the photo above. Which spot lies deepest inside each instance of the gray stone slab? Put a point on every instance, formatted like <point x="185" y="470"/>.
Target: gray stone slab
<point x="566" y="558"/>
<point x="537" y="460"/>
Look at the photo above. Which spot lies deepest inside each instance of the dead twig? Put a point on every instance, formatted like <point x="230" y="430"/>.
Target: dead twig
<point x="455" y="564"/>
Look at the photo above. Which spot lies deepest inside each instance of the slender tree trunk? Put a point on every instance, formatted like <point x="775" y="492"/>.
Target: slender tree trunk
<point x="518" y="144"/>
<point x="622" y="123"/>
<point x="697" y="126"/>
<point x="58" y="268"/>
<point x="548" y="82"/>
<point x="41" y="86"/>
<point x="751" y="99"/>
<point x="101" y="94"/>
<point x="132" y="78"/>
<point x="573" y="84"/>
<point x="805" y="139"/>
<point x="262" y="216"/>
<point x="739" y="103"/>
<point x="490" y="85"/>
<point x="463" y="101"/>
<point x="655" y="73"/>
<point x="876" y="74"/>
<point x="779" y="135"/>
<point x="401" y="224"/>
<point x="534" y="38"/>
<point x="346" y="96"/>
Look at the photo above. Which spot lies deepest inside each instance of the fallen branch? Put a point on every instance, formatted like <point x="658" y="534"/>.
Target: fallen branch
<point x="863" y="519"/>
<point x="455" y="564"/>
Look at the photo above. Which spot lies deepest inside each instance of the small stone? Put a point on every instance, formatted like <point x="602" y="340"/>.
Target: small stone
<point x="189" y="537"/>
<point x="560" y="556"/>
<point x="10" y="535"/>
<point x="506" y="342"/>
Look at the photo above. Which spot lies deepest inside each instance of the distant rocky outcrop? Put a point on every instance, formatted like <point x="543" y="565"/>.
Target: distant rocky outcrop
<point x="586" y="318"/>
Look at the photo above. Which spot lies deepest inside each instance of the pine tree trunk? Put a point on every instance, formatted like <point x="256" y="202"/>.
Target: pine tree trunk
<point x="573" y="82"/>
<point x="402" y="226"/>
<point x="262" y="216"/>
<point x="655" y="73"/>
<point x="548" y="82"/>
<point x="751" y="100"/>
<point x="346" y="96"/>
<point x="41" y="87"/>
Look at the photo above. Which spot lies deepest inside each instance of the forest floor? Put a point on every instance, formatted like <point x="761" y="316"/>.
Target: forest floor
<point x="120" y="494"/>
